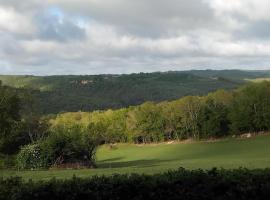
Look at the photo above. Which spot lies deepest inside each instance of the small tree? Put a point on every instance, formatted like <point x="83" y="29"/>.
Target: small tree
<point x="72" y="145"/>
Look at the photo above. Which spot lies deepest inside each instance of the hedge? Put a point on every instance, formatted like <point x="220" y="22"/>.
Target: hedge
<point x="213" y="184"/>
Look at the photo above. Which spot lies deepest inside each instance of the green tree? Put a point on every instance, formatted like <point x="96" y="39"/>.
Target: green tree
<point x="250" y="110"/>
<point x="116" y="131"/>
<point x="172" y="113"/>
<point x="34" y="124"/>
<point x="11" y="137"/>
<point x="191" y="107"/>
<point x="69" y="145"/>
<point x="146" y="123"/>
<point x="213" y="120"/>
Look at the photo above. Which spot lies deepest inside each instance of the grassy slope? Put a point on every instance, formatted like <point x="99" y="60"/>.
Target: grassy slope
<point x="149" y="159"/>
<point x="256" y="80"/>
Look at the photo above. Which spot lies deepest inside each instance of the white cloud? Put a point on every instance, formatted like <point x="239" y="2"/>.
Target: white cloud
<point x="122" y="36"/>
<point x="14" y="22"/>
<point x="252" y="9"/>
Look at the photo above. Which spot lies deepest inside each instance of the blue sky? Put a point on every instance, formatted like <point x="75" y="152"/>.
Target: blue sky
<point x="125" y="36"/>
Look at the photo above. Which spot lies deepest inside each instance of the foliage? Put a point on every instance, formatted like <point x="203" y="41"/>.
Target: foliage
<point x="7" y="161"/>
<point x="62" y="146"/>
<point x="250" y="110"/>
<point x="35" y="125"/>
<point x="73" y="137"/>
<point x="196" y="184"/>
<point x="145" y="123"/>
<point x="56" y="94"/>
<point x="72" y="145"/>
<point x="213" y="117"/>
<point x="216" y="115"/>
<point x="30" y="157"/>
<point x="11" y="136"/>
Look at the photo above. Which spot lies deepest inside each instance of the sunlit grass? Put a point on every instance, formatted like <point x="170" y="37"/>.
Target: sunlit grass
<point x="149" y="159"/>
<point x="258" y="80"/>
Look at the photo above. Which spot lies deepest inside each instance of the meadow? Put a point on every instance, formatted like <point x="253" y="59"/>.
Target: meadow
<point x="229" y="153"/>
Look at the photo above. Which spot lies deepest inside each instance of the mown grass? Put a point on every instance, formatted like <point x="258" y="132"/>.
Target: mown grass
<point x="149" y="159"/>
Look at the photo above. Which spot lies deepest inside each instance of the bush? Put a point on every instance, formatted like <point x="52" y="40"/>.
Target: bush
<point x="30" y="157"/>
<point x="64" y="147"/>
<point x="181" y="184"/>
<point x="67" y="146"/>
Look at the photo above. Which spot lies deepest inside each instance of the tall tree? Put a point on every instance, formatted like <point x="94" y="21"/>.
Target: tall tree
<point x="10" y="138"/>
<point x="190" y="115"/>
<point x="146" y="123"/>
<point x="214" y="114"/>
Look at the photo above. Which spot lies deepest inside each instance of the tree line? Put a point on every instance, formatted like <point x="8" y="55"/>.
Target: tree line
<point x="218" y="114"/>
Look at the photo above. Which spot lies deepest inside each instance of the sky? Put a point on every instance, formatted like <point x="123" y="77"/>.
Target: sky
<point x="52" y="37"/>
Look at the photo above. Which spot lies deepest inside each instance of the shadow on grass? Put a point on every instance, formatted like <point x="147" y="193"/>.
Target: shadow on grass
<point x="135" y="163"/>
<point x="111" y="159"/>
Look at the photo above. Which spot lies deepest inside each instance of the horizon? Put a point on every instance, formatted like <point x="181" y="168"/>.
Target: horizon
<point x="120" y="74"/>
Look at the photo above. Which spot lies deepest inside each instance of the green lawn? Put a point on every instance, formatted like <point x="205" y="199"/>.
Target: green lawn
<point x="149" y="159"/>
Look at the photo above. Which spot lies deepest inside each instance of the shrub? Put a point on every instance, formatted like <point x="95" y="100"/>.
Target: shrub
<point x="181" y="184"/>
<point x="30" y="157"/>
<point x="67" y="146"/>
<point x="64" y="147"/>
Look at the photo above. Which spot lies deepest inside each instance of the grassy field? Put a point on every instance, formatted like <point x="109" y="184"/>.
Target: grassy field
<point x="149" y="159"/>
<point x="258" y="80"/>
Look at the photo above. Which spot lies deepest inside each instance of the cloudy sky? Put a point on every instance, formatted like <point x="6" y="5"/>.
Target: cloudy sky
<point x="46" y="37"/>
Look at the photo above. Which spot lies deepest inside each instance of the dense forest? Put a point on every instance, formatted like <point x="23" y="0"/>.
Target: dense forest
<point x="43" y="141"/>
<point x="54" y="94"/>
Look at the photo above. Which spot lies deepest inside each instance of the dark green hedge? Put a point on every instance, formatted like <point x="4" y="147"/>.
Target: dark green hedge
<point x="181" y="184"/>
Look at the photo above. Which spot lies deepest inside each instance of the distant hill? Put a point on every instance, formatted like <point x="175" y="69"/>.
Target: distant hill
<point x="93" y="92"/>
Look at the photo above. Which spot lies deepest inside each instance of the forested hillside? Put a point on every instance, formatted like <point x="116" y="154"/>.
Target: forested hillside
<point x="56" y="94"/>
<point x="73" y="137"/>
